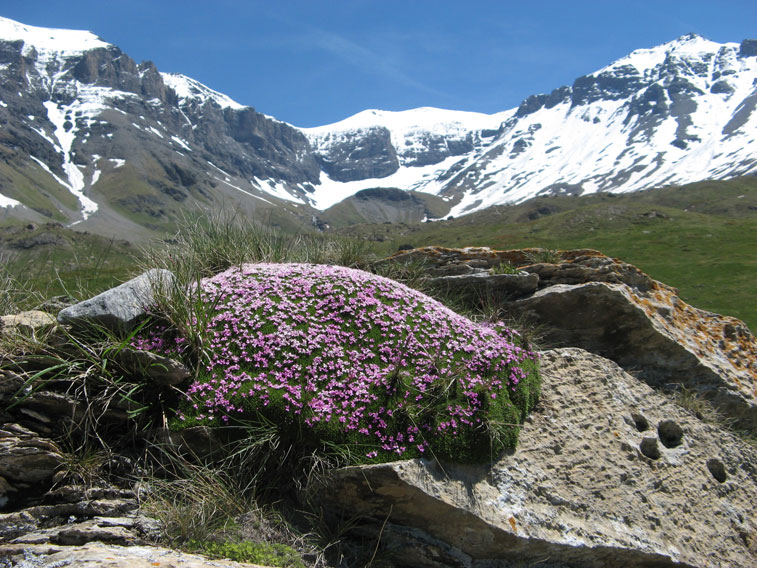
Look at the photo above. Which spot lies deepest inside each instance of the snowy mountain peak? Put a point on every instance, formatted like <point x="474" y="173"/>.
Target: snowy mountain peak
<point x="65" y="42"/>
<point x="426" y="118"/>
<point x="190" y="90"/>
<point x="678" y="112"/>
<point x="89" y="136"/>
<point x="689" y="46"/>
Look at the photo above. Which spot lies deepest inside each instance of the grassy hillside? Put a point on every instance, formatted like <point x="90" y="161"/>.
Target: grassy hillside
<point x="48" y="260"/>
<point x="701" y="238"/>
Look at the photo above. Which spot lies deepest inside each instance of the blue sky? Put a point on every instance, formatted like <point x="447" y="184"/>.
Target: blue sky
<point x="315" y="62"/>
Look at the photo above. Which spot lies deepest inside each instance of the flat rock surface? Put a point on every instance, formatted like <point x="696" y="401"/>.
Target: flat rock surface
<point x="99" y="555"/>
<point x="607" y="472"/>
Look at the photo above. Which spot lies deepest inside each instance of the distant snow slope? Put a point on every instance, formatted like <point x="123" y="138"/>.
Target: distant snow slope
<point x="62" y="42"/>
<point x="189" y="89"/>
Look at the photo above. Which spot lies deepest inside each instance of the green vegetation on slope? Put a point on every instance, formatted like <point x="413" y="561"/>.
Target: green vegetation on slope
<point x="700" y="238"/>
<point x="49" y="260"/>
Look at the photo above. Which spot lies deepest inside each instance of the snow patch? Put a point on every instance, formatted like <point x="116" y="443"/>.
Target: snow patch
<point x="227" y="182"/>
<point x="67" y="43"/>
<point x="66" y="133"/>
<point x="190" y="90"/>
<point x="276" y="189"/>
<point x="182" y="143"/>
<point x="8" y="202"/>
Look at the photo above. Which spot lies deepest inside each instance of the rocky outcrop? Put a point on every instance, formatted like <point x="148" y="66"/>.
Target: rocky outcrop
<point x="350" y="158"/>
<point x="607" y="472"/>
<point x="26" y="460"/>
<point x="119" y="308"/>
<point x="99" y="555"/>
<point x="606" y="306"/>
<point x="153" y="367"/>
<point x="485" y="285"/>
<point x="28" y="323"/>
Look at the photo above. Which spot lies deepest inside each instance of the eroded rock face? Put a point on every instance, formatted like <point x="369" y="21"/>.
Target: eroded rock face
<point x="25" y="457"/>
<point x="607" y="472"/>
<point x="585" y="299"/>
<point x="119" y="308"/>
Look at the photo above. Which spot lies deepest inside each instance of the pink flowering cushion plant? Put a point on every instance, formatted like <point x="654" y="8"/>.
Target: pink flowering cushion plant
<point x="332" y="354"/>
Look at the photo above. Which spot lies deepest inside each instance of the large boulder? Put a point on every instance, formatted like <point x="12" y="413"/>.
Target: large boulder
<point x="665" y="341"/>
<point x="120" y="308"/>
<point x="608" y="472"/>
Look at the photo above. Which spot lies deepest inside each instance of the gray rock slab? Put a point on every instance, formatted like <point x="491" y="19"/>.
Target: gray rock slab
<point x="120" y="308"/>
<point x="482" y="284"/>
<point x="156" y="368"/>
<point x="100" y="555"/>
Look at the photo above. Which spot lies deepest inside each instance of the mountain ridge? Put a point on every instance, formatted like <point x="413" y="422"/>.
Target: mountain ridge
<point x="650" y="91"/>
<point x="89" y="137"/>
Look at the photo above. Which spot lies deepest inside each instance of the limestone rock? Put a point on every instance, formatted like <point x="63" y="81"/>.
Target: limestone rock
<point x="156" y="368"/>
<point x="579" y="490"/>
<point x="29" y="323"/>
<point x="121" y="307"/>
<point x="99" y="555"/>
<point x="26" y="457"/>
<point x="483" y="284"/>
<point x="90" y="513"/>
<point x="662" y="339"/>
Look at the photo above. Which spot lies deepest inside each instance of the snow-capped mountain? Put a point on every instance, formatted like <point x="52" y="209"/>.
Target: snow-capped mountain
<point x="89" y="137"/>
<point x="679" y="112"/>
